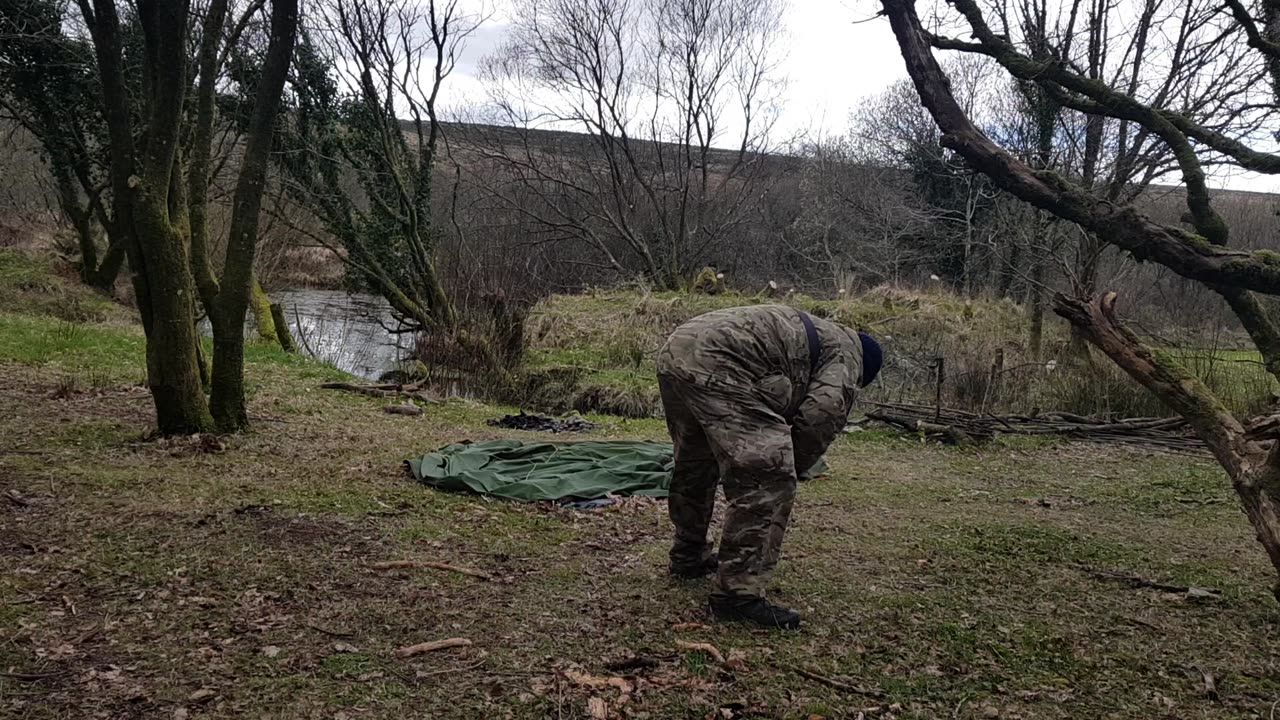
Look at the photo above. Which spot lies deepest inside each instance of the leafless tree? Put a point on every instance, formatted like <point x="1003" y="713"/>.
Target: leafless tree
<point x="48" y="88"/>
<point x="856" y="217"/>
<point x="350" y="158"/>
<point x="667" y="108"/>
<point x="895" y="132"/>
<point x="1225" y="44"/>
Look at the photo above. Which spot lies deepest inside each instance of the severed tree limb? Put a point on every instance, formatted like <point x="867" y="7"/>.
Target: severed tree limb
<point x="1183" y="252"/>
<point x="953" y="434"/>
<point x="1253" y="467"/>
<point x="1182" y="392"/>
<point x="409" y="564"/>
<point x="870" y="692"/>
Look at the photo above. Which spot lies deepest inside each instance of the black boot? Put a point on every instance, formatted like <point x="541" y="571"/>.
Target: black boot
<point x="695" y="571"/>
<point x="756" y="610"/>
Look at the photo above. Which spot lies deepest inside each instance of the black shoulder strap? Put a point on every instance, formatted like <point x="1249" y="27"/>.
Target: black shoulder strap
<point x="815" y="343"/>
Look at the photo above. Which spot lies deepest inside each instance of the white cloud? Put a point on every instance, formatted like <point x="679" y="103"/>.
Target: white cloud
<point x="836" y="54"/>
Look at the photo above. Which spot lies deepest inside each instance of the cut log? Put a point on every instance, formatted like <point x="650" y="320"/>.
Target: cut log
<point x="948" y="433"/>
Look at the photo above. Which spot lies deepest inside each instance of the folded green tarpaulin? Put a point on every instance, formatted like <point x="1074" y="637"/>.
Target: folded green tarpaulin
<point x="535" y="471"/>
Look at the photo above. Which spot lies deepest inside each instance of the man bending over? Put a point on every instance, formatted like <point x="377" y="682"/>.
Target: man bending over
<point x="753" y="396"/>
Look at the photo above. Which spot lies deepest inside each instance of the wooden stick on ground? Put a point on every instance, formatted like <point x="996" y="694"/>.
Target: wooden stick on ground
<point x="409" y="564"/>
<point x="838" y="685"/>
<point x="707" y="648"/>
<point x="385" y="390"/>
<point x="432" y="646"/>
<point x="1139" y="583"/>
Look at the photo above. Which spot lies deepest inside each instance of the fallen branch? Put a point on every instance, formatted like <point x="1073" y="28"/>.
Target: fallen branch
<point x="386" y="390"/>
<point x="431" y="564"/>
<point x="958" y="427"/>
<point x="426" y="647"/>
<point x="410" y="410"/>
<point x="707" y="648"/>
<point x="833" y="683"/>
<point x="1140" y="583"/>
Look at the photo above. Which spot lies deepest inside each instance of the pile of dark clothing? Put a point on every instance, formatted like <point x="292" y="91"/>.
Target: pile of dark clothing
<point x="542" y="423"/>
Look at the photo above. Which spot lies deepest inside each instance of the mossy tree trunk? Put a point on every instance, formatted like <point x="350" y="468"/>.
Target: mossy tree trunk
<point x="141" y="182"/>
<point x="162" y="215"/>
<point x="260" y="304"/>
<point x="283" y="335"/>
<point x="227" y="299"/>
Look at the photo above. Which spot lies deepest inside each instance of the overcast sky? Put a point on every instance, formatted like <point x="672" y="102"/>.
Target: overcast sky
<point x="830" y="62"/>
<point x="836" y="55"/>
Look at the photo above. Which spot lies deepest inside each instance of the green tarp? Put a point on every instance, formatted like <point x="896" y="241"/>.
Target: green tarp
<point x="529" y="472"/>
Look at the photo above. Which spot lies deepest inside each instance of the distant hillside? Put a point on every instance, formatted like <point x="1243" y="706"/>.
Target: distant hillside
<point x="475" y="135"/>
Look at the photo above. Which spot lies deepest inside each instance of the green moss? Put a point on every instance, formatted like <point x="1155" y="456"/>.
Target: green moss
<point x="1269" y="257"/>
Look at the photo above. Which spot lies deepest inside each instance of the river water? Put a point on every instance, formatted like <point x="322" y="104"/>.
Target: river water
<point x="351" y="331"/>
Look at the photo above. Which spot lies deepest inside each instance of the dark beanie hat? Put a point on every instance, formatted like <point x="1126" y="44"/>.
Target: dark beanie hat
<point x="872" y="358"/>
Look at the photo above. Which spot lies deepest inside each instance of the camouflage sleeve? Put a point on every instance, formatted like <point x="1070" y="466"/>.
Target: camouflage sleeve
<point x="824" y="411"/>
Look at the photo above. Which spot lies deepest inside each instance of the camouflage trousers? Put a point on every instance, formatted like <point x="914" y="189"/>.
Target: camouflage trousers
<point x="724" y="432"/>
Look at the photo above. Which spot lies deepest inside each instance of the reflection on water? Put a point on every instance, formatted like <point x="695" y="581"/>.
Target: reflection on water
<point x="352" y="332"/>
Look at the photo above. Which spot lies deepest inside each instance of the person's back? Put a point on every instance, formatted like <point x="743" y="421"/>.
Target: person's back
<point x="751" y="394"/>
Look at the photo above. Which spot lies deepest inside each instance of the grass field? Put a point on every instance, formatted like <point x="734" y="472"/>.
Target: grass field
<point x="596" y="351"/>
<point x="230" y="577"/>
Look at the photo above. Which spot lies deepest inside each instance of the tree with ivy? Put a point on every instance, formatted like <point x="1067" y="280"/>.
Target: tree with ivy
<point x="48" y="86"/>
<point x="349" y="158"/>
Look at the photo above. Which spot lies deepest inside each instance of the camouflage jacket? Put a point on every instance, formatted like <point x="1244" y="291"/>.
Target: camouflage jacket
<point x="761" y="353"/>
